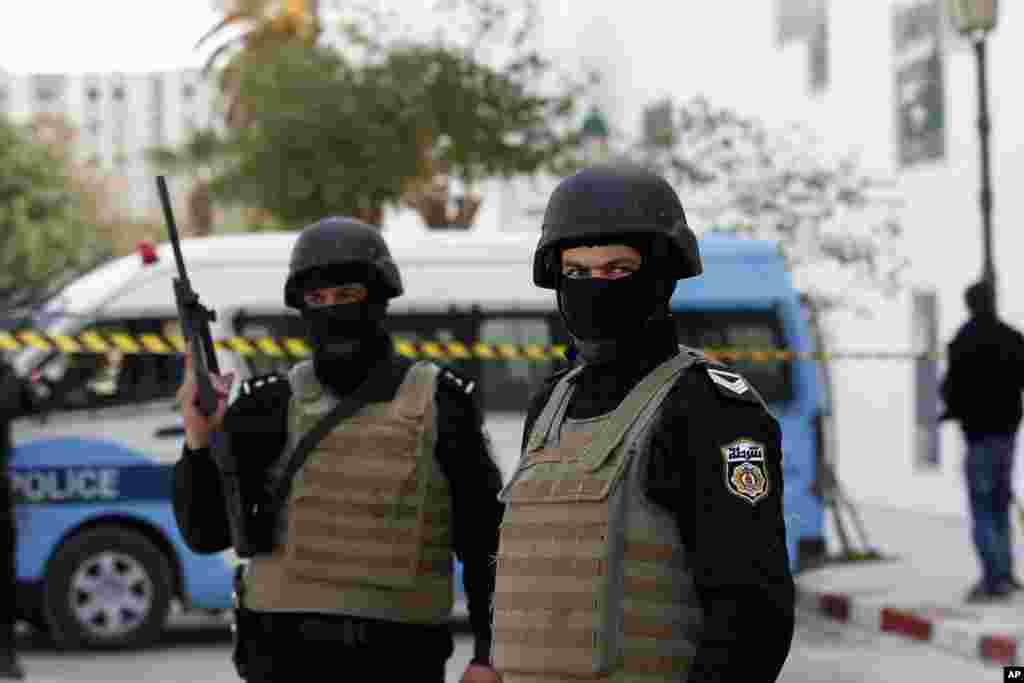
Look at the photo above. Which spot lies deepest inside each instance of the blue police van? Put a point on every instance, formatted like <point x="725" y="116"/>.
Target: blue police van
<point x="100" y="559"/>
<point x="745" y="299"/>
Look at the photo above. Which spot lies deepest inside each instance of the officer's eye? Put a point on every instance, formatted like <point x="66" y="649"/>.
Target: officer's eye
<point x="622" y="271"/>
<point x="575" y="273"/>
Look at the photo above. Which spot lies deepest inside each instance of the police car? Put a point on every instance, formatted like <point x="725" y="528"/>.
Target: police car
<point x="100" y="559"/>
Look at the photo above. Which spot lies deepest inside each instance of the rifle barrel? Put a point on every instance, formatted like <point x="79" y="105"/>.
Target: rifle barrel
<point x="172" y="228"/>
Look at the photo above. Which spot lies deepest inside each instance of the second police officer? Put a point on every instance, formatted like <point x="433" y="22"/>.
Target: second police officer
<point x="643" y="538"/>
<point x="356" y="573"/>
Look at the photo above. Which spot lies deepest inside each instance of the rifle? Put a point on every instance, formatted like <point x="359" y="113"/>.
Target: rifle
<point x="195" y="328"/>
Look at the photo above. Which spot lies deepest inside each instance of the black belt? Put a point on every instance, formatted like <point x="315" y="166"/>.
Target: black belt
<point x="316" y="627"/>
<point x="350" y="631"/>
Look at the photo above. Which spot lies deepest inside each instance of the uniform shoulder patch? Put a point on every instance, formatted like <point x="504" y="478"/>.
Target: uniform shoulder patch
<point x="745" y="469"/>
<point x="731" y="384"/>
<point x="456" y="381"/>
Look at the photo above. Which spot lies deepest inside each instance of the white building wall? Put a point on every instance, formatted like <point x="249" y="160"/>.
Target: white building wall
<point x="943" y="223"/>
<point x="118" y="117"/>
<point x="856" y="112"/>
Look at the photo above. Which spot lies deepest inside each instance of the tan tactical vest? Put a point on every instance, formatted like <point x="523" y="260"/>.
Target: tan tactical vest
<point x="592" y="580"/>
<point x="366" y="530"/>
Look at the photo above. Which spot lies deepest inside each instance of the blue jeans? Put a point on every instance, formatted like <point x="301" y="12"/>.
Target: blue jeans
<point x="989" y="469"/>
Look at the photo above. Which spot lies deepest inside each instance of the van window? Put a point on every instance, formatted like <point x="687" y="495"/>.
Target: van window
<point x="85" y="381"/>
<point x="509" y="383"/>
<point x="742" y="330"/>
<point x="275" y="325"/>
<point x="429" y="327"/>
<point x="506" y="384"/>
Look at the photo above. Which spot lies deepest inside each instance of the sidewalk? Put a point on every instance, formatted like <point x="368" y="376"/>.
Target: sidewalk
<point x="919" y="593"/>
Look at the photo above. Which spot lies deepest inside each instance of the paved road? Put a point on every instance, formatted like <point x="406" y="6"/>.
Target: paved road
<point x="823" y="651"/>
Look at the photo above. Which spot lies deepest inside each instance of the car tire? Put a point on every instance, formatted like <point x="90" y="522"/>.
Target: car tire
<point x="106" y="588"/>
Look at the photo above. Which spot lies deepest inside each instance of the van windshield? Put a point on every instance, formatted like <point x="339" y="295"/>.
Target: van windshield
<point x="742" y="331"/>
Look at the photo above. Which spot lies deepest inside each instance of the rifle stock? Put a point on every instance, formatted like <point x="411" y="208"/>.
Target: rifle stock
<point x="195" y="328"/>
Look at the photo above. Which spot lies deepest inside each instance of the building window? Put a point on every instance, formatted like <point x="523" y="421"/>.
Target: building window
<point x="48" y="88"/>
<point x="94" y="127"/>
<point x="93" y="93"/>
<point x="188" y="92"/>
<point x="119" y="93"/>
<point x="817" y="52"/>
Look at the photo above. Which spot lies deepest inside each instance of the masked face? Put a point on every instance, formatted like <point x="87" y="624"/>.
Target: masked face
<point x="595" y="308"/>
<point x="340" y="329"/>
<point x="604" y="293"/>
<point x="341" y="318"/>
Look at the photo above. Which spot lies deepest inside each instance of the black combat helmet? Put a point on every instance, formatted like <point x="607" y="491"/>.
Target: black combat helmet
<point x="342" y="244"/>
<point x="610" y="201"/>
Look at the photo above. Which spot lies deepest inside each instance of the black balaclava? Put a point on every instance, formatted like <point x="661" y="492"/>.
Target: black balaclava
<point x="606" y="317"/>
<point x="348" y="339"/>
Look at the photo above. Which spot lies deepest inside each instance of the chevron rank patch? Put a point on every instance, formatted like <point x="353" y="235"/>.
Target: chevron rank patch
<point x="730" y="380"/>
<point x="732" y="385"/>
<point x="746" y="474"/>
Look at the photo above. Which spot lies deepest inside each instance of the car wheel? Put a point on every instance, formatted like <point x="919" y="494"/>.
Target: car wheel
<point x="107" y="587"/>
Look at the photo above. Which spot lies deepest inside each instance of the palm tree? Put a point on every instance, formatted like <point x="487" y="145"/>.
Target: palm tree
<point x="197" y="157"/>
<point x="270" y="23"/>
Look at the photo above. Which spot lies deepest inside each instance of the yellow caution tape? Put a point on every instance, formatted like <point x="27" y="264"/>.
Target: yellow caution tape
<point x="95" y="342"/>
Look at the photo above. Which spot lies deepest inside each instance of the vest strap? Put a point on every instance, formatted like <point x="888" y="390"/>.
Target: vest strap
<point x="631" y="408"/>
<point x="542" y="425"/>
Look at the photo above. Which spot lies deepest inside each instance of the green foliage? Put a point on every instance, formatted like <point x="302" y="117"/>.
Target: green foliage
<point x="42" y="241"/>
<point x="480" y="122"/>
<point x="327" y="139"/>
<point x="378" y="121"/>
<point x="201" y="150"/>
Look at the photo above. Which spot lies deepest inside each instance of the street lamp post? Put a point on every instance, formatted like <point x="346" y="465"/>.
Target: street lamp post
<point x="975" y="19"/>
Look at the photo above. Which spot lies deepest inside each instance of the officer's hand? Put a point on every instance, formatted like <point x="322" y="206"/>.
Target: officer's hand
<point x="478" y="673"/>
<point x="197" y="425"/>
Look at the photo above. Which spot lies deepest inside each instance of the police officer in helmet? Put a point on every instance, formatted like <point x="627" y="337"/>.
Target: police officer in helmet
<point x="643" y="535"/>
<point x="355" y="571"/>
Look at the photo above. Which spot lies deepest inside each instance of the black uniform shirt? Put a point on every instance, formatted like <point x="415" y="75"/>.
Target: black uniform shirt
<point x="255" y="425"/>
<point x="983" y="385"/>
<point x="737" y="550"/>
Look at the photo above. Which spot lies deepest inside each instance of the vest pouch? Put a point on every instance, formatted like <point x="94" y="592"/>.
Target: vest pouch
<point x="357" y="512"/>
<point x="550" y="607"/>
<point x="550" y="473"/>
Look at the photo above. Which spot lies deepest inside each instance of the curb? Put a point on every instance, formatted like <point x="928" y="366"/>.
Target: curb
<point x="970" y="641"/>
